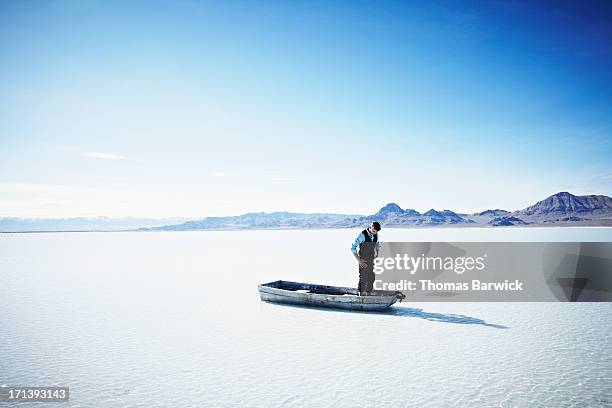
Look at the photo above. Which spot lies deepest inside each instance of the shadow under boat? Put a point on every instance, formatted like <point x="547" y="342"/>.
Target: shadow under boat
<point x="402" y="311"/>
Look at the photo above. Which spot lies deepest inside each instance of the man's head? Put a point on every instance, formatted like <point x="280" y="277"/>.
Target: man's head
<point x="375" y="227"/>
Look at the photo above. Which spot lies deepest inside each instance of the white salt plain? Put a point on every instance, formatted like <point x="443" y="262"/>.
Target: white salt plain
<point x="174" y="319"/>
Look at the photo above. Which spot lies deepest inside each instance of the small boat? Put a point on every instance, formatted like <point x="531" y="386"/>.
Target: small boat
<point x="308" y="294"/>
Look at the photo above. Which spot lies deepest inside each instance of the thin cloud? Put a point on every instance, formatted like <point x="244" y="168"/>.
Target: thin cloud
<point x="221" y="174"/>
<point x="278" y="177"/>
<point x="105" y="156"/>
<point x="604" y="177"/>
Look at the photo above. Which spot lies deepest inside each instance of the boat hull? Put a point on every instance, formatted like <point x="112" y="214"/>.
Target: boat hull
<point x="307" y="294"/>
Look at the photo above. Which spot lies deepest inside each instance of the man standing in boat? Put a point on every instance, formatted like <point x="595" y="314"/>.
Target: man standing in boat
<point x="367" y="241"/>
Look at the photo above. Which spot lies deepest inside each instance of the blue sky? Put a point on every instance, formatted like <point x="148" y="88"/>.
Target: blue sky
<point x="186" y="108"/>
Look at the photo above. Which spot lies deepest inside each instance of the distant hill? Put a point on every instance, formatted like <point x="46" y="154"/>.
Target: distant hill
<point x="433" y="217"/>
<point x="559" y="209"/>
<point x="564" y="203"/>
<point x="492" y="213"/>
<point x="393" y="215"/>
<point x="8" y="224"/>
<point x="506" y="221"/>
<point x="394" y="210"/>
<point x="274" y="220"/>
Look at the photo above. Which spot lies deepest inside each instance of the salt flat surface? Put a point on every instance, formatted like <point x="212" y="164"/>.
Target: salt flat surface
<point x="174" y="319"/>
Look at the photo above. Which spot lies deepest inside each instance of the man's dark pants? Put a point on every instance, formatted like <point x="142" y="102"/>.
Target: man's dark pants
<point x="366" y="275"/>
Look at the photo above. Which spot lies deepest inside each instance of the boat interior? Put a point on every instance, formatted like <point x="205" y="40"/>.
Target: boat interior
<point x="325" y="289"/>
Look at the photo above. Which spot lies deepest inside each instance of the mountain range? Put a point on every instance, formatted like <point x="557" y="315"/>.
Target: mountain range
<point x="561" y="209"/>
